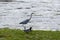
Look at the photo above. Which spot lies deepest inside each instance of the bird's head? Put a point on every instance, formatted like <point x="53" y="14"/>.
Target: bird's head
<point x="32" y="13"/>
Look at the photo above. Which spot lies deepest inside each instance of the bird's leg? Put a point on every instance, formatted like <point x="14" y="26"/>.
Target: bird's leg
<point x="24" y="27"/>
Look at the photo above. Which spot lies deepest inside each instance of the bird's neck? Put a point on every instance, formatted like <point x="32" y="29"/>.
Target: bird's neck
<point x="30" y="16"/>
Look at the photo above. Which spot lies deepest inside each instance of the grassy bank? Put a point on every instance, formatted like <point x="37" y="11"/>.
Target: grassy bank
<point x="13" y="34"/>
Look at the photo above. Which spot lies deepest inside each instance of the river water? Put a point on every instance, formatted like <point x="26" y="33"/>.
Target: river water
<point x="46" y="14"/>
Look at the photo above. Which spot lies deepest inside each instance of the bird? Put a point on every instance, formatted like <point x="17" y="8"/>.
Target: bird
<point x="25" y="22"/>
<point x="28" y="30"/>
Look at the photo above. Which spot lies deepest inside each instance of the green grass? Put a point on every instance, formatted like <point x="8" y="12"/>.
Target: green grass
<point x="16" y="34"/>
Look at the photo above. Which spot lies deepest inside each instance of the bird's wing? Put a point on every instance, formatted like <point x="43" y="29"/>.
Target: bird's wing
<point x="24" y="22"/>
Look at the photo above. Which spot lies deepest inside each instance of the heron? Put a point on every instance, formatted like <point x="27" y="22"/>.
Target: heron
<point x="25" y="22"/>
